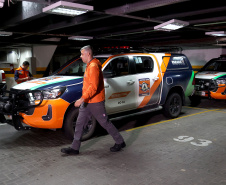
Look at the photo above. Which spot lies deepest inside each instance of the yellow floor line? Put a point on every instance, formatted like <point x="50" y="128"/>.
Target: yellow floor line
<point x="196" y="108"/>
<point x="220" y="111"/>
<point x="170" y="120"/>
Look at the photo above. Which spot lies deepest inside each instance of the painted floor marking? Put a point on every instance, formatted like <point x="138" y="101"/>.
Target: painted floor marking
<point x="152" y="124"/>
<point x="195" y="108"/>
<point x="220" y="111"/>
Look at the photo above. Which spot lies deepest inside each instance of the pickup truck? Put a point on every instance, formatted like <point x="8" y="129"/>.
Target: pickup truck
<point x="210" y="81"/>
<point x="135" y="83"/>
<point x="2" y="81"/>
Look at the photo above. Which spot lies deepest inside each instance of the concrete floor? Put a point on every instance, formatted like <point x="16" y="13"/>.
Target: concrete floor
<point x="189" y="150"/>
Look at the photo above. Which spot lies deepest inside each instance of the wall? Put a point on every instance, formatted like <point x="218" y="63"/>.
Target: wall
<point x="43" y="55"/>
<point x="199" y="57"/>
<point x="39" y="56"/>
<point x="15" y="57"/>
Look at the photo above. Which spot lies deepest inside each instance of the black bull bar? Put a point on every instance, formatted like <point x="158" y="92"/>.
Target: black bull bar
<point x="15" y="101"/>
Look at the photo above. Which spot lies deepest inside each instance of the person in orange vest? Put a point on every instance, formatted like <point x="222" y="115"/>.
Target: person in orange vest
<point x="22" y="73"/>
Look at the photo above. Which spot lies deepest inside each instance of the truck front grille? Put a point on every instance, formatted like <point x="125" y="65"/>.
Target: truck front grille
<point x="205" y="85"/>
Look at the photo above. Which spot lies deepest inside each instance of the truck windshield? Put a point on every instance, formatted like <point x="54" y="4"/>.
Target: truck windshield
<point x="75" y="68"/>
<point x="215" y="65"/>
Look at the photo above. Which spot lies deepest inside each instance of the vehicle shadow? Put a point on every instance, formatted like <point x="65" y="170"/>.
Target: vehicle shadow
<point x="34" y="138"/>
<point x="134" y="122"/>
<point x="51" y="138"/>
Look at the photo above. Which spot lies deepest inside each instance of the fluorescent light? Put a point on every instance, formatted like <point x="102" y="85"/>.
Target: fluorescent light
<point x="80" y="38"/>
<point x="67" y="8"/>
<point x="2" y="3"/>
<point x="216" y="33"/>
<point x="4" y="33"/>
<point x="173" y="24"/>
<point x="54" y="39"/>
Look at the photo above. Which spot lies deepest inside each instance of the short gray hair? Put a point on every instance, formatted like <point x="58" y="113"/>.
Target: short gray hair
<point x="88" y="48"/>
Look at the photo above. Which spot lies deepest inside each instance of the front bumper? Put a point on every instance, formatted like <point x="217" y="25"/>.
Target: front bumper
<point x="217" y="93"/>
<point x="24" y="107"/>
<point x="49" y="114"/>
<point x="15" y="101"/>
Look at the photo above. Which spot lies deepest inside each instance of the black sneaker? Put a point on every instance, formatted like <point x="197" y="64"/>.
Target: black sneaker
<point x="117" y="147"/>
<point x="69" y="151"/>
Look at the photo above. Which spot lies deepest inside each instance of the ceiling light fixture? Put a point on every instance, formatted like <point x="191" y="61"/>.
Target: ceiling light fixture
<point x="2" y="3"/>
<point x="80" y="38"/>
<point x="53" y="39"/>
<point x="4" y="33"/>
<point x="171" y="25"/>
<point x="216" y="33"/>
<point x="67" y="8"/>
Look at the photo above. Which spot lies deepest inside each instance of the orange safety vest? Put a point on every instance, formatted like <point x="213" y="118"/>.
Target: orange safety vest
<point x="22" y="74"/>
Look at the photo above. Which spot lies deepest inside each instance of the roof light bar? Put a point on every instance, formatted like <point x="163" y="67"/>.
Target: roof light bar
<point x="117" y="47"/>
<point x="171" y="25"/>
<point x="67" y="8"/>
<point x="4" y="33"/>
<point x="216" y="33"/>
<point x="80" y="38"/>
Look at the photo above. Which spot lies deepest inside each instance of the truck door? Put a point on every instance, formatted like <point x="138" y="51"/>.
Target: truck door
<point x="120" y="87"/>
<point x="148" y="77"/>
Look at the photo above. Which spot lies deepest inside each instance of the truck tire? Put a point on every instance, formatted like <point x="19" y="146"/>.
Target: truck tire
<point x="70" y="124"/>
<point x="173" y="105"/>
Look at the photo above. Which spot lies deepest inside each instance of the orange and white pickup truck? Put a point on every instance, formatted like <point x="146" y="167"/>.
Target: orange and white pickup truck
<point x="135" y="83"/>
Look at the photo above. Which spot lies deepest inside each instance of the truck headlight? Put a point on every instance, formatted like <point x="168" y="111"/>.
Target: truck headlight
<point x="53" y="93"/>
<point x="35" y="97"/>
<point x="220" y="81"/>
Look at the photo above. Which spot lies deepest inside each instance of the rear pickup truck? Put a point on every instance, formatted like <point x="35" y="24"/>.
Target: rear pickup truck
<point x="210" y="81"/>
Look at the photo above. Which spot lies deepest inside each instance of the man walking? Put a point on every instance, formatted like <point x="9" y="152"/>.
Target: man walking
<point x="92" y="103"/>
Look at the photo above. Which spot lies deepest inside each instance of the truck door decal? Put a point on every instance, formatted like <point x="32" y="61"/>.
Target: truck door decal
<point x="144" y="87"/>
<point x="158" y="82"/>
<point x="119" y="95"/>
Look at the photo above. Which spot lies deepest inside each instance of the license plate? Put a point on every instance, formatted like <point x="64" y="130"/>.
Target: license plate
<point x="203" y="93"/>
<point x="200" y="93"/>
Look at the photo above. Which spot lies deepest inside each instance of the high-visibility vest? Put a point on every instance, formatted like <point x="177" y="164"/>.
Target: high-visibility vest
<point x="22" y="74"/>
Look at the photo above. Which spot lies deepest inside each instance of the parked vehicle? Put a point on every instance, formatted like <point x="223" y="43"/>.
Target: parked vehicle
<point x="135" y="83"/>
<point x="210" y="81"/>
<point x="2" y="81"/>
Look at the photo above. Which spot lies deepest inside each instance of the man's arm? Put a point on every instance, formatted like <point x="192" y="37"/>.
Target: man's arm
<point x="16" y="75"/>
<point x="30" y="76"/>
<point x="17" y="79"/>
<point x="94" y="74"/>
<point x="79" y="102"/>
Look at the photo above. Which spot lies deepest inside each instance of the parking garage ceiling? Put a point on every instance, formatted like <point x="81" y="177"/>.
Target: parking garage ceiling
<point x="124" y="22"/>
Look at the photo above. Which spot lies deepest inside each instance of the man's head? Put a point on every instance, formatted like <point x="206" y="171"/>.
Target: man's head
<point x="86" y="54"/>
<point x="25" y="64"/>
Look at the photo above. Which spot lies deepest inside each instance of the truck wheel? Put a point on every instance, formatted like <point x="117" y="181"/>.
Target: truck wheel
<point x="195" y="100"/>
<point x="173" y="105"/>
<point x="70" y="124"/>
